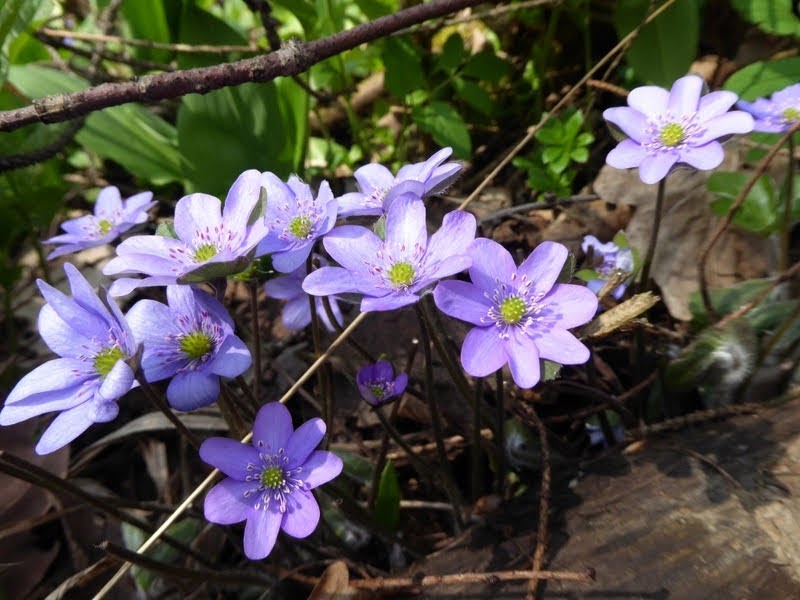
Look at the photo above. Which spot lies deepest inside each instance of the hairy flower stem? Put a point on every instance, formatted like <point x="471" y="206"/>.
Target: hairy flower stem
<point x="426" y="471"/>
<point x="322" y="379"/>
<point x="365" y="354"/>
<point x="227" y="406"/>
<point x="786" y="234"/>
<point x="499" y="433"/>
<point x="448" y="480"/>
<point x="477" y="470"/>
<point x="253" y="289"/>
<point x="159" y="403"/>
<point x="651" y="248"/>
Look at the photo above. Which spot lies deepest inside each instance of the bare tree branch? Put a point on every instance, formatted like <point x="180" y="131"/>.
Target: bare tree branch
<point x="293" y="58"/>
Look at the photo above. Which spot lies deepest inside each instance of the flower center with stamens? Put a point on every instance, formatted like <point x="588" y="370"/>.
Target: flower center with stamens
<point x="512" y="309"/>
<point x="205" y="252"/>
<point x="196" y="345"/>
<point x="105" y="226"/>
<point x="272" y="477"/>
<point x="105" y="360"/>
<point x="791" y="114"/>
<point x="300" y="227"/>
<point x="378" y="390"/>
<point x="401" y="274"/>
<point x="672" y="134"/>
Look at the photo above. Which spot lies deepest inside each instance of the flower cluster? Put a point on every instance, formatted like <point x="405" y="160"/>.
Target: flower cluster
<point x="780" y="112"/>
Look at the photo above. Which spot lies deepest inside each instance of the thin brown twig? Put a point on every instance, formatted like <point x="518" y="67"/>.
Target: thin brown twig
<point x="790" y="273"/>
<point x="760" y="170"/>
<point x="388" y="583"/>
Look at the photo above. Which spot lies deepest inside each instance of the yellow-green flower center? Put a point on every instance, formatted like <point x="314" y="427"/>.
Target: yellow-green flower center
<point x="205" y="252"/>
<point x="672" y="134"/>
<point x="105" y="360"/>
<point x="272" y="477"/>
<point x="401" y="274"/>
<point x="377" y="390"/>
<point x="512" y="309"/>
<point x="791" y="114"/>
<point x="300" y="227"/>
<point x="196" y="345"/>
<point x="105" y="226"/>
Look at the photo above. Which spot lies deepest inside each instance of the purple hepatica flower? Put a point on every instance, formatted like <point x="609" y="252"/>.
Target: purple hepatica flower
<point x="192" y="341"/>
<point x="665" y="128"/>
<point x="210" y="243"/>
<point x="296" y="313"/>
<point x="94" y="341"/>
<point x="778" y="113"/>
<point x="112" y="217"/>
<point x="390" y="273"/>
<point x="295" y="220"/>
<point x="269" y="483"/>
<point x="379" y="188"/>
<point x="609" y="258"/>
<point x="521" y="314"/>
<point x="378" y="384"/>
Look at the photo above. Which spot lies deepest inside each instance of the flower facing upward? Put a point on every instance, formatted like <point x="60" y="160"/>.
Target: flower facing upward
<point x="94" y="342"/>
<point x="296" y="313"/>
<point x="775" y="114"/>
<point x="390" y="273"/>
<point x="192" y="341"/>
<point x="269" y="483"/>
<point x="210" y="243"/>
<point x="379" y="188"/>
<point x="378" y="384"/>
<point x="295" y="220"/>
<point x="112" y="217"/>
<point x="665" y="128"/>
<point x="520" y="313"/>
<point x="608" y="260"/>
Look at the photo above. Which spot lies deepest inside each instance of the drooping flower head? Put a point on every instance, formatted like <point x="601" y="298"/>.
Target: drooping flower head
<point x="378" y="384"/>
<point x="778" y="113"/>
<point x="191" y="340"/>
<point x="112" y="217"/>
<point x="269" y="483"/>
<point x="520" y="313"/>
<point x="93" y="341"/>
<point x="665" y="128"/>
<point x="378" y="188"/>
<point x="390" y="273"/>
<point x="295" y="220"/>
<point x="209" y="242"/>
<point x="608" y="259"/>
<point x="296" y="313"/>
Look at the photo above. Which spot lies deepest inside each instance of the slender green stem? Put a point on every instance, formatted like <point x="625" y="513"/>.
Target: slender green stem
<point x="499" y="433"/>
<point x="448" y="480"/>
<point x="227" y="406"/>
<point x="159" y="403"/>
<point x="425" y="470"/>
<point x="253" y="289"/>
<point x="786" y="234"/>
<point x="651" y="248"/>
<point x="327" y="401"/>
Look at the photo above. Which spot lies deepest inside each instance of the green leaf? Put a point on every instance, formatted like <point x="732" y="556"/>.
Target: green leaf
<point x="726" y="300"/>
<point x="664" y="48"/>
<point x="452" y="54"/>
<point x="15" y="16"/>
<point x="763" y="78"/>
<point x="759" y="210"/>
<point x="252" y="126"/>
<point x="771" y="16"/>
<point x="445" y="125"/>
<point x="485" y="66"/>
<point x="198" y="26"/>
<point x="552" y="133"/>
<point x="387" y="501"/>
<point x="147" y="20"/>
<point x="403" y="63"/>
<point x="132" y="136"/>
<point x="474" y="95"/>
<point x="373" y="9"/>
<point x="579" y="155"/>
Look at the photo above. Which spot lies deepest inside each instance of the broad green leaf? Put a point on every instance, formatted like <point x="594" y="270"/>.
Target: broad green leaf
<point x="198" y="26"/>
<point x="445" y="125"/>
<point x="138" y="140"/>
<point x="759" y="211"/>
<point x="15" y="16"/>
<point x="664" y="48"/>
<point x="763" y="78"/>
<point x="726" y="300"/>
<point x="485" y="66"/>
<point x="474" y="95"/>
<point x="452" y="54"/>
<point x="772" y="16"/>
<point x="377" y="8"/>
<point x="403" y="66"/>
<point x="147" y="20"/>
<point x="579" y="155"/>
<point x="387" y="501"/>
<point x="252" y="126"/>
